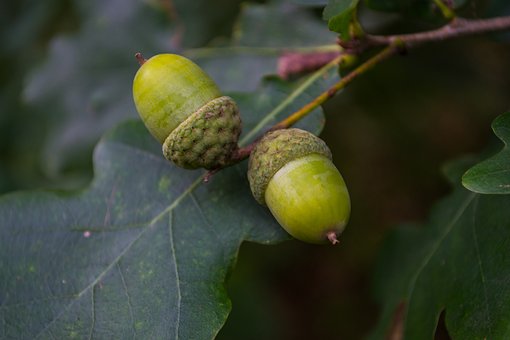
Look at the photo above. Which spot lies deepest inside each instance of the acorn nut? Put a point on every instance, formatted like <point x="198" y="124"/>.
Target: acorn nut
<point x="291" y="171"/>
<point x="184" y="110"/>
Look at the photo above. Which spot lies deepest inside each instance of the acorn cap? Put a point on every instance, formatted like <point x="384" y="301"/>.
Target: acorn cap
<point x="276" y="149"/>
<point x="207" y="138"/>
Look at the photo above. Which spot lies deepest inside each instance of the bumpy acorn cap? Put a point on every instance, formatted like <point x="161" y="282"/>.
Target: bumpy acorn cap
<point x="207" y="138"/>
<point x="276" y="149"/>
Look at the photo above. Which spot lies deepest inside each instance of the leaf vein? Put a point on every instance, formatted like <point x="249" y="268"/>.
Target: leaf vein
<point x="202" y="214"/>
<point x="177" y="279"/>
<point x="435" y="246"/>
<point x="109" y="202"/>
<point x="480" y="265"/>
<point x="130" y="306"/>
<point x="47" y="327"/>
<point x="211" y="226"/>
<point x="172" y="206"/>
<point x="51" y="334"/>
<point x="93" y="313"/>
<point x="178" y="200"/>
<point x="287" y="101"/>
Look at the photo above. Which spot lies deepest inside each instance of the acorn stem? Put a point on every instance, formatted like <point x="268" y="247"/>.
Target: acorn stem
<point x="244" y="152"/>
<point x="209" y="174"/>
<point x="331" y="235"/>
<point x="293" y="118"/>
<point x="139" y="57"/>
<point x="238" y="155"/>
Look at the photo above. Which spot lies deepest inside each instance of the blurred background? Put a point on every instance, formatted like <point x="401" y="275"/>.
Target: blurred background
<point x="66" y="68"/>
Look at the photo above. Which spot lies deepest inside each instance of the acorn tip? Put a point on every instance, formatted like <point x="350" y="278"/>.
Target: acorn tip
<point x="331" y="235"/>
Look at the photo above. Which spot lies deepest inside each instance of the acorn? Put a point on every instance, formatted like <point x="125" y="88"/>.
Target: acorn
<point x="184" y="110"/>
<point x="291" y="171"/>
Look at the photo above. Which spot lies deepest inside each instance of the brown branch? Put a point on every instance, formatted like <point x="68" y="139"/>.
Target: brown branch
<point x="395" y="43"/>
<point x="296" y="63"/>
<point x="457" y="28"/>
<point x="324" y="96"/>
<point x="238" y="155"/>
<point x="242" y="153"/>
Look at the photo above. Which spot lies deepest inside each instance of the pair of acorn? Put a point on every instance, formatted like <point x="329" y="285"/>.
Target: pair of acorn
<point x="290" y="170"/>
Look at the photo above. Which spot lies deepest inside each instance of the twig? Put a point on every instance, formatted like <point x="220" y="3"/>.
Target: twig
<point x="238" y="155"/>
<point x="445" y="10"/>
<point x="394" y="44"/>
<point x="457" y="28"/>
<point x="295" y="63"/>
<point x="243" y="153"/>
<point x="324" y="96"/>
<point x="209" y="174"/>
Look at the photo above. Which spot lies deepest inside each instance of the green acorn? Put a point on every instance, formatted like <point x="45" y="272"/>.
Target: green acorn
<point x="184" y="110"/>
<point x="291" y="172"/>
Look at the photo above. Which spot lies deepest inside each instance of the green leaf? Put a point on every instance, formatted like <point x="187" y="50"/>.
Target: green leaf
<point x="492" y="176"/>
<point x="280" y="25"/>
<point x="144" y="251"/>
<point x="456" y="263"/>
<point x="84" y="86"/>
<point x="199" y="21"/>
<point x="24" y="29"/>
<point x="263" y="34"/>
<point x="341" y="15"/>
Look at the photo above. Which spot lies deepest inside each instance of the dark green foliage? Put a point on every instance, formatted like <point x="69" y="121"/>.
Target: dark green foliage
<point x="104" y="262"/>
<point x="144" y="251"/>
<point x="492" y="176"/>
<point x="341" y="15"/>
<point x="456" y="263"/>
